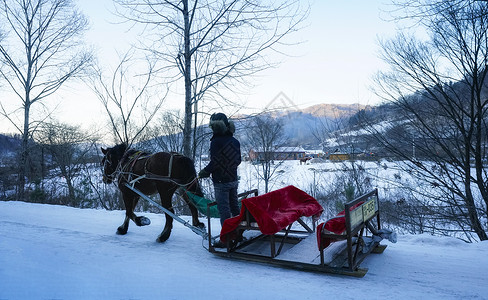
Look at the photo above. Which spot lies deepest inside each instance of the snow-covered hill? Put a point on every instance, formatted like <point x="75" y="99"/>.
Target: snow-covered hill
<point x="56" y="252"/>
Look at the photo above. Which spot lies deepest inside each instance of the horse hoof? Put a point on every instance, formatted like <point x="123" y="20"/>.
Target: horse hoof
<point x="142" y="221"/>
<point x="163" y="237"/>
<point x="121" y="231"/>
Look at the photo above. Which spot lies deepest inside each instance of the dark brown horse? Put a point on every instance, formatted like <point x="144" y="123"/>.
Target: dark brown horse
<point x="160" y="172"/>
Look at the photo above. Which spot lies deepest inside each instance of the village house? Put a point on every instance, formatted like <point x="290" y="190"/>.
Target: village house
<point x="339" y="156"/>
<point x="281" y="153"/>
<point x="314" y="153"/>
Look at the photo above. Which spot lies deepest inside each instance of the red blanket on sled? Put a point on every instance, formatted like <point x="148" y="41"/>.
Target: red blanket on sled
<point x="274" y="211"/>
<point x="336" y="225"/>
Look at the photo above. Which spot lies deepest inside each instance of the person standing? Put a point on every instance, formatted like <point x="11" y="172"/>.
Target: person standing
<point x="225" y="157"/>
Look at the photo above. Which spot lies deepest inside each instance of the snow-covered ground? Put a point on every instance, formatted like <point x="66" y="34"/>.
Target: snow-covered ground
<point x="56" y="252"/>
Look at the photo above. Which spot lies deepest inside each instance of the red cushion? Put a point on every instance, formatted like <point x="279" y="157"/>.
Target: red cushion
<point x="336" y="225"/>
<point x="274" y="211"/>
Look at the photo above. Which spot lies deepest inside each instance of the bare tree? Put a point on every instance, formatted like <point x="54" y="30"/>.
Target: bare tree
<point x="265" y="135"/>
<point x="130" y="98"/>
<point x="439" y="86"/>
<point x="69" y="149"/>
<point x="322" y="130"/>
<point x="212" y="46"/>
<point x="166" y="132"/>
<point x="41" y="51"/>
<point x="422" y="11"/>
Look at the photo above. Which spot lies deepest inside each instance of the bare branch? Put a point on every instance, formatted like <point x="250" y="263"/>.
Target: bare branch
<point x="438" y="86"/>
<point x="130" y="98"/>
<point x="212" y="45"/>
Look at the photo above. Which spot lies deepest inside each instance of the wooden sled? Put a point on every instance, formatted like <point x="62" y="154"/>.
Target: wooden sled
<point x="361" y="223"/>
<point x="361" y="230"/>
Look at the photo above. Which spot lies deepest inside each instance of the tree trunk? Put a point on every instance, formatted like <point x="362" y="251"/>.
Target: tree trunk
<point x="473" y="215"/>
<point x="69" y="182"/>
<point x="195" y="138"/>
<point x="24" y="154"/>
<point x="187" y="74"/>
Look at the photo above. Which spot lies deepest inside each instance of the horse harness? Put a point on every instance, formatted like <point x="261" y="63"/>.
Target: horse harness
<point x="133" y="178"/>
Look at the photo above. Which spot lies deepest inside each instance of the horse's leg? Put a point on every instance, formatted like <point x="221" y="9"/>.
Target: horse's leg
<point x="140" y="221"/>
<point x="166" y="196"/>
<point x="130" y="201"/>
<point x="122" y="229"/>
<point x="194" y="213"/>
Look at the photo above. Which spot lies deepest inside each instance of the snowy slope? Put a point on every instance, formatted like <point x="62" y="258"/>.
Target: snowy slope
<point x="55" y="252"/>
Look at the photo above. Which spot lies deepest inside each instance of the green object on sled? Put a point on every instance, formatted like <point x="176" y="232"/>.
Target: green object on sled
<point x="201" y="204"/>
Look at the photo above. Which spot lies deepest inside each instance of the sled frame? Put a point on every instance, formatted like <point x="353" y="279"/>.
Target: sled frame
<point x="358" y="221"/>
<point x="345" y="263"/>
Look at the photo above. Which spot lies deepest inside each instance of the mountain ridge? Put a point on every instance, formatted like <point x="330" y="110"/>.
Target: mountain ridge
<point x="332" y="110"/>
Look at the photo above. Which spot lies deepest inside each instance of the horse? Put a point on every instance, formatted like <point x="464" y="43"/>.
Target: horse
<point x="305" y="159"/>
<point x="160" y="172"/>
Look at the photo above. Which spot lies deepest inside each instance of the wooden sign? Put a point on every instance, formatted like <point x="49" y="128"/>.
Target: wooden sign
<point x="363" y="212"/>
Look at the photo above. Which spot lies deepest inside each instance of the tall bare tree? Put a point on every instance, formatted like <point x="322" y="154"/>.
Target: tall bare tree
<point x="69" y="149"/>
<point x="130" y="97"/>
<point x="265" y="135"/>
<point x="166" y="132"/>
<point x="41" y="51"/>
<point x="212" y="46"/>
<point x="439" y="85"/>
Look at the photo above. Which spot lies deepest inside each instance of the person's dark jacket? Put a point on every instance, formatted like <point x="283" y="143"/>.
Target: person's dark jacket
<point x="225" y="153"/>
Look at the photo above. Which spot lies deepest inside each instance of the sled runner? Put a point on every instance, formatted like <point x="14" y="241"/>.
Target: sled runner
<point x="271" y="230"/>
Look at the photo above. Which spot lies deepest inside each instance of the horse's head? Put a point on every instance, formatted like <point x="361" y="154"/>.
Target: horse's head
<point x="111" y="161"/>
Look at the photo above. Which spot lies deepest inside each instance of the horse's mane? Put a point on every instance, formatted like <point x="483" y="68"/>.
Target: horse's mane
<point x="128" y="154"/>
<point x="119" y="150"/>
<point x="131" y="152"/>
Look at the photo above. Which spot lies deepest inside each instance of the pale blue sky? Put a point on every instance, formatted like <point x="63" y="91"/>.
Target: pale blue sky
<point x="334" y="64"/>
<point x="337" y="59"/>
